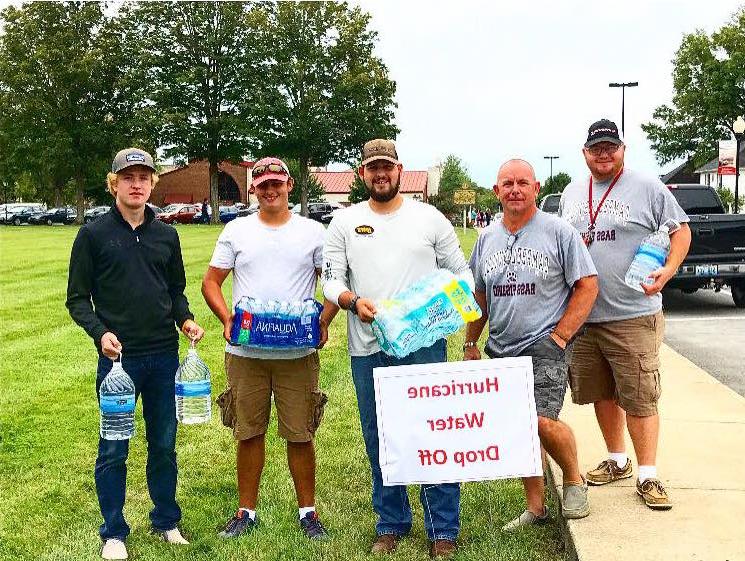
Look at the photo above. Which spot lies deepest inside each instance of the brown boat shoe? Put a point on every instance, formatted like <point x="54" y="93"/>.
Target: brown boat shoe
<point x="654" y="495"/>
<point x="608" y="472"/>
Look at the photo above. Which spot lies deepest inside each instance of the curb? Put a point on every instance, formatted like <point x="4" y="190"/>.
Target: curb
<point x="567" y="534"/>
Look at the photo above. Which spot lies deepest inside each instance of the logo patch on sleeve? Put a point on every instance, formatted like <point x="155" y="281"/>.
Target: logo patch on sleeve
<point x="364" y="230"/>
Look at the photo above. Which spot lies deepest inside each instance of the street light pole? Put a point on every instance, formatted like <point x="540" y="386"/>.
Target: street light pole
<point x="551" y="159"/>
<point x="623" y="86"/>
<point x="739" y="128"/>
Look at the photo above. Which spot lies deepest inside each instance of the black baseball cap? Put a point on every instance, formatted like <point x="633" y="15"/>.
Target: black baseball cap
<point x="603" y="131"/>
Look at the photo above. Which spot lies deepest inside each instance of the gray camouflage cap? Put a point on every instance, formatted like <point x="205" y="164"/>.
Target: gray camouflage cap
<point x="131" y="157"/>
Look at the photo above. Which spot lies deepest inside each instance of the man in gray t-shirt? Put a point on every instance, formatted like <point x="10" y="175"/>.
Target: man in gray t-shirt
<point x="535" y="283"/>
<point x="615" y="364"/>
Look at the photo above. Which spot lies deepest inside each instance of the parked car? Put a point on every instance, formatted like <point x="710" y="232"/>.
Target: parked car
<point x="156" y="209"/>
<point x="227" y="213"/>
<point x="550" y="203"/>
<point x="318" y="209"/>
<point x="93" y="213"/>
<point x="22" y="215"/>
<point x="61" y="215"/>
<point x="199" y="219"/>
<point x="326" y="218"/>
<point x="7" y="210"/>
<point x="717" y="254"/>
<point x="179" y="213"/>
<point x="251" y="209"/>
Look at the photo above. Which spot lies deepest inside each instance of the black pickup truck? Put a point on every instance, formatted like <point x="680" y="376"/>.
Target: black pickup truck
<point x="717" y="254"/>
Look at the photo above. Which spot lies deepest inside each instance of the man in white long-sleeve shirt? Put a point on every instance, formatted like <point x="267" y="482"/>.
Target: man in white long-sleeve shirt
<point x="373" y="250"/>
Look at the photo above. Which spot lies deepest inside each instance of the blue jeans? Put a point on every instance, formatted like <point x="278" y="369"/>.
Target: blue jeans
<point x="154" y="378"/>
<point x="440" y="503"/>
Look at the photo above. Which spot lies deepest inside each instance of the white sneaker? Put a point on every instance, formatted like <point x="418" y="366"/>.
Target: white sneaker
<point x="174" y="536"/>
<point x="114" y="549"/>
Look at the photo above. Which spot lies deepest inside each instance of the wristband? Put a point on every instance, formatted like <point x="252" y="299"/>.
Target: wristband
<point x="353" y="305"/>
<point x="566" y="341"/>
<point x="468" y="345"/>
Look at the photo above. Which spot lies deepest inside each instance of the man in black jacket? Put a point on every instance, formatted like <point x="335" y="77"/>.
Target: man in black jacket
<point x="126" y="289"/>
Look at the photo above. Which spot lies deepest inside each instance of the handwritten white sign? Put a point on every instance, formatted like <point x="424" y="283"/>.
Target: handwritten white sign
<point x="457" y="421"/>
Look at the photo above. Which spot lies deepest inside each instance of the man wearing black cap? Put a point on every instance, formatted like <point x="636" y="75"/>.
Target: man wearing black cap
<point x="615" y="364"/>
<point x="374" y="249"/>
<point x="126" y="289"/>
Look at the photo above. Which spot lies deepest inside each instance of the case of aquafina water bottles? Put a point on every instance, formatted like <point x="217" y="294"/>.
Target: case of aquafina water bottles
<point x="434" y="307"/>
<point x="193" y="390"/>
<point x="116" y="402"/>
<point x="274" y="324"/>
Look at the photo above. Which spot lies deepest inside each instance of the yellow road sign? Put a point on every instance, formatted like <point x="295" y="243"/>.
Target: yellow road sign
<point x="464" y="197"/>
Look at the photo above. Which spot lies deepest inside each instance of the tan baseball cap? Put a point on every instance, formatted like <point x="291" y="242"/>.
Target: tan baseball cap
<point x="379" y="149"/>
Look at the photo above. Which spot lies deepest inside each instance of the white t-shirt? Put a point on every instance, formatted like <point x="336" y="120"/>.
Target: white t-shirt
<point x="270" y="263"/>
<point x="377" y="255"/>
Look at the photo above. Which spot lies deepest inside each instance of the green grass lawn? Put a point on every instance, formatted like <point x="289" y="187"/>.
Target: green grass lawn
<point x="49" y="433"/>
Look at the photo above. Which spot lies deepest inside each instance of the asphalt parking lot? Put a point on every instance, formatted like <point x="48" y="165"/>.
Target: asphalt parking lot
<point x="708" y="330"/>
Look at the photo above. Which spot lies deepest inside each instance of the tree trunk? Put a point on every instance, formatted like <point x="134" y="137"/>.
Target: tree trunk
<point x="57" y="195"/>
<point x="80" y="197"/>
<point x="214" y="193"/>
<point x="302" y="184"/>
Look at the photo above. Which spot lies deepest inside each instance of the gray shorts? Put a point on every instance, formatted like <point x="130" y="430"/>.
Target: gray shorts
<point x="550" y="375"/>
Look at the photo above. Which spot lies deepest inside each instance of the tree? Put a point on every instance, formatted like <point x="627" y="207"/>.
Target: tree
<point x="198" y="65"/>
<point x="454" y="176"/>
<point x="709" y="84"/>
<point x="8" y="171"/>
<point x="325" y="93"/>
<point x="59" y="68"/>
<point x="315" y="189"/>
<point x="728" y="199"/>
<point x="487" y="199"/>
<point x="359" y="191"/>
<point x="555" y="184"/>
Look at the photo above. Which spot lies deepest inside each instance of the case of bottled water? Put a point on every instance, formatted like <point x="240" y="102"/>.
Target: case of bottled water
<point x="193" y="390"/>
<point x="434" y="307"/>
<point x="273" y="324"/>
<point x="651" y="255"/>
<point x="116" y="401"/>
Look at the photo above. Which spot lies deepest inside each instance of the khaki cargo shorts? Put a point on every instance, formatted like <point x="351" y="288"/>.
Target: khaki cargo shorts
<point x="246" y="403"/>
<point x="619" y="360"/>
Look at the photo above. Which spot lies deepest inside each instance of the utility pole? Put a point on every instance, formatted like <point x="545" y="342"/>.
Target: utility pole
<point x="623" y="86"/>
<point x="551" y="166"/>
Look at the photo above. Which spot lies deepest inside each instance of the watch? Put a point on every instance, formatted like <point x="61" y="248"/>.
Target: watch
<point x="353" y="305"/>
<point x="468" y="345"/>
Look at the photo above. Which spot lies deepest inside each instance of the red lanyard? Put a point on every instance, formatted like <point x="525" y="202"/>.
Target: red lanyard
<point x="594" y="216"/>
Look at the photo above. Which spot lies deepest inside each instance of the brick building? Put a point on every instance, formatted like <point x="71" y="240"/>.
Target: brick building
<point x="191" y="183"/>
<point x="338" y="184"/>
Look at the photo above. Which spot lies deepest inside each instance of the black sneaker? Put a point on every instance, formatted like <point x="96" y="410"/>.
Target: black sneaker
<point x="312" y="527"/>
<point x="240" y="524"/>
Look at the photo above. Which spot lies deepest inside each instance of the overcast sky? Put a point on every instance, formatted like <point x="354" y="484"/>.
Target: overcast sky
<point x="490" y="80"/>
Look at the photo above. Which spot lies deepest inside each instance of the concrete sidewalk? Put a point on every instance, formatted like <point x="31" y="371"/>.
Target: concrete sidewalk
<point x="701" y="461"/>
